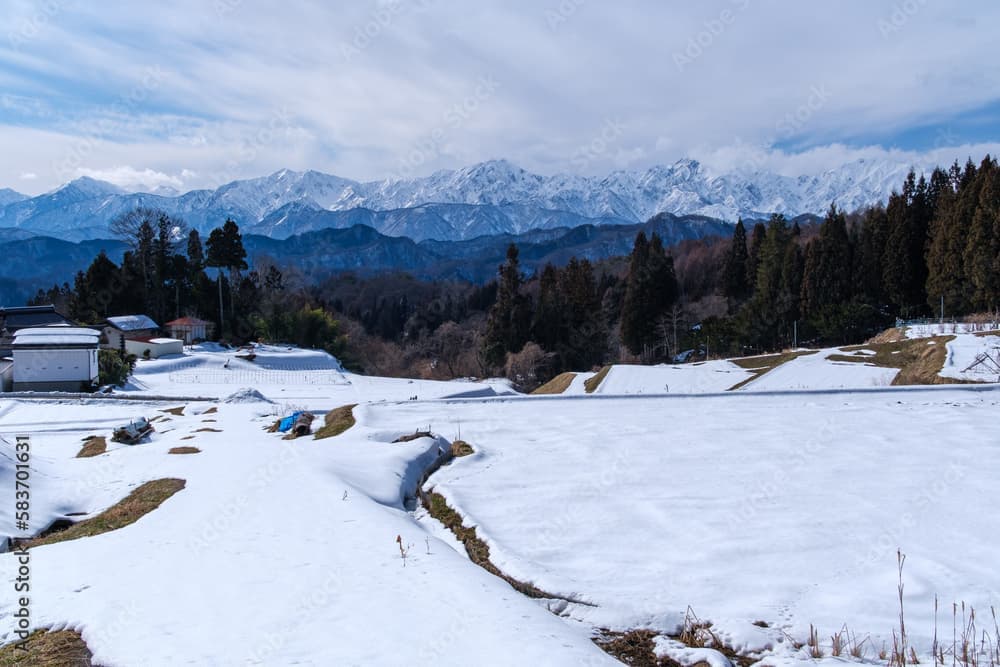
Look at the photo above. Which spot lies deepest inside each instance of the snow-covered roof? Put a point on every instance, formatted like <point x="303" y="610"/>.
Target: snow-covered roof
<point x="132" y="322"/>
<point x="158" y="341"/>
<point x="57" y="337"/>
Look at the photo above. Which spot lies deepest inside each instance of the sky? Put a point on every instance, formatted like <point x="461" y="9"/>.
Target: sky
<point x="191" y="94"/>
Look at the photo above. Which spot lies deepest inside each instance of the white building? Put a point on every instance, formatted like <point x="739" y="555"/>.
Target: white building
<point x="55" y="358"/>
<point x="154" y="348"/>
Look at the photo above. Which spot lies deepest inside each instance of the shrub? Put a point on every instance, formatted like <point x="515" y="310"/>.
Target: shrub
<point x="113" y="368"/>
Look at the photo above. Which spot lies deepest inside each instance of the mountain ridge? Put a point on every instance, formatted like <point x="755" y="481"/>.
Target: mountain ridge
<point x="489" y="198"/>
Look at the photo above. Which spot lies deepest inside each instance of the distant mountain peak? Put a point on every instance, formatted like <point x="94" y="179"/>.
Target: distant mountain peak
<point x="491" y="197"/>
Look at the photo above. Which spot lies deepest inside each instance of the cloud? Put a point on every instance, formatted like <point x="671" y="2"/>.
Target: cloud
<point x="238" y="88"/>
<point x="130" y="178"/>
<point x="28" y="176"/>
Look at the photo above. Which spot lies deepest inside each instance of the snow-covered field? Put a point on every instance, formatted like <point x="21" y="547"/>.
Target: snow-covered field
<point x="747" y="506"/>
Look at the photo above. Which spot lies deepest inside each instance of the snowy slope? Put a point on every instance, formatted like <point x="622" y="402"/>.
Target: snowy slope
<point x="747" y="507"/>
<point x="503" y="198"/>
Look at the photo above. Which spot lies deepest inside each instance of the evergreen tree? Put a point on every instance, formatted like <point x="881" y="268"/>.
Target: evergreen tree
<point x="868" y="285"/>
<point x="949" y="230"/>
<point x="548" y="317"/>
<point x="650" y="290"/>
<point x="904" y="268"/>
<point x="735" y="284"/>
<point x="826" y="280"/>
<point x="510" y="317"/>
<point x="753" y="256"/>
<point x="983" y="245"/>
<point x="583" y="333"/>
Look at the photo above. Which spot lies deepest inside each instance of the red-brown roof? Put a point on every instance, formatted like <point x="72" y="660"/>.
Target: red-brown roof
<point x="190" y="321"/>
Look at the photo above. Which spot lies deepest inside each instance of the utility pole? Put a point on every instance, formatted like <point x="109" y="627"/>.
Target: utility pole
<point x="795" y="335"/>
<point x="942" y="309"/>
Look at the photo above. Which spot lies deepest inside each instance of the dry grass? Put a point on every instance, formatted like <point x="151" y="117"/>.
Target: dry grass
<point x="337" y="421"/>
<point x="176" y="412"/>
<point x="763" y="364"/>
<point x="556" y="385"/>
<point x="94" y="446"/>
<point x="143" y="500"/>
<point x="592" y="383"/>
<point x="479" y="551"/>
<point x="64" y="648"/>
<point x="461" y="448"/>
<point x="183" y="450"/>
<point x="634" y="647"/>
<point x="211" y="411"/>
<point x="919" y="360"/>
<point x="207" y="429"/>
<point x="188" y="437"/>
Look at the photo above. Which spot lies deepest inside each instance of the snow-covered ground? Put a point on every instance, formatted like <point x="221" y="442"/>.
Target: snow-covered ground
<point x="746" y="506"/>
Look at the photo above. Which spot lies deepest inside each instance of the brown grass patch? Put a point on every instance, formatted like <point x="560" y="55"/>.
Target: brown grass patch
<point x="634" y="647"/>
<point x="592" y="383"/>
<point x="919" y="360"/>
<point x="763" y="364"/>
<point x="94" y="446"/>
<point x="183" y="450"/>
<point x="556" y="385"/>
<point x="176" y="412"/>
<point x="188" y="437"/>
<point x="461" y="448"/>
<point x="45" y="648"/>
<point x="337" y="421"/>
<point x="206" y="421"/>
<point x="479" y="551"/>
<point x="211" y="411"/>
<point x="143" y="500"/>
<point x="893" y="335"/>
<point x="207" y="429"/>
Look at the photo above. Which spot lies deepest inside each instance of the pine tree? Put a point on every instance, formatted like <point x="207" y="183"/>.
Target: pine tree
<point x="509" y="320"/>
<point x="826" y="280"/>
<point x="547" y="322"/>
<point x="735" y="284"/>
<point x="753" y="256"/>
<point x="983" y="245"/>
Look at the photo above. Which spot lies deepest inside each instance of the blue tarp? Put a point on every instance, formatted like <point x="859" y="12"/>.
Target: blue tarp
<point x="289" y="421"/>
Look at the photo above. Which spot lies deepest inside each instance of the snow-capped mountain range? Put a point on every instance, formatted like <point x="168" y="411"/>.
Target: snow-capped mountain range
<point x="494" y="197"/>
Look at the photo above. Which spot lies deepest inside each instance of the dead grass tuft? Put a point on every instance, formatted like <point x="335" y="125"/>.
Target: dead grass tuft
<point x="143" y="500"/>
<point x="556" y="385"/>
<point x="94" y="446"/>
<point x="211" y="411"/>
<point x="634" y="647"/>
<point x="337" y="421"/>
<point x="45" y="648"/>
<point x="183" y="450"/>
<point x="461" y="448"/>
<point x="176" y="412"/>
<point x="592" y="383"/>
<point x="208" y="429"/>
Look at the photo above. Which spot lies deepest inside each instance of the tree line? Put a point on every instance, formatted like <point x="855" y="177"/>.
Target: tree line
<point x="835" y="280"/>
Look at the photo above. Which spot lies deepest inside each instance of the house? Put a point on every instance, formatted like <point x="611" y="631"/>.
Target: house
<point x="57" y="358"/>
<point x="190" y="329"/>
<point x="22" y="317"/>
<point x="153" y="348"/>
<point x="119" y="329"/>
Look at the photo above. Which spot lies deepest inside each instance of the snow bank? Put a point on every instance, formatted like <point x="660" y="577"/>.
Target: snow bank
<point x="247" y="395"/>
